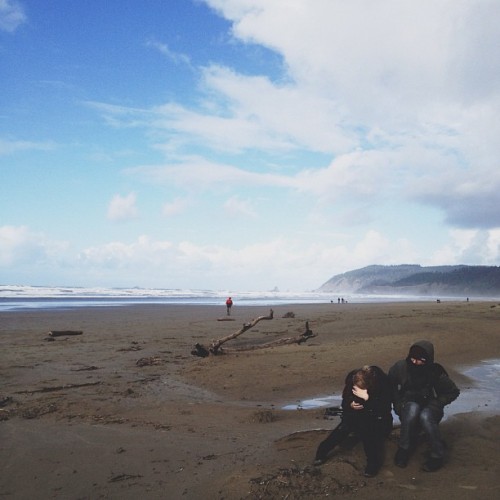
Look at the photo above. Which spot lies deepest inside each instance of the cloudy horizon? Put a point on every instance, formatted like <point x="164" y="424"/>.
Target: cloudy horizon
<point x="246" y="145"/>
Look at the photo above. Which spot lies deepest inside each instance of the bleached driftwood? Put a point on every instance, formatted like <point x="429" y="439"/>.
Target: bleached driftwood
<point x="216" y="345"/>
<point x="299" y="339"/>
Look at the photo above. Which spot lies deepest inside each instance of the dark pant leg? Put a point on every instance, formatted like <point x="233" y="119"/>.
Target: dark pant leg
<point x="374" y="432"/>
<point x="335" y="438"/>
<point x="410" y="416"/>
<point x="429" y="420"/>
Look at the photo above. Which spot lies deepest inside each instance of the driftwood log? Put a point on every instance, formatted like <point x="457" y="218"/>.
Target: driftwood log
<point x="216" y="345"/>
<point x="299" y="339"/>
<point x="60" y="333"/>
<point x="59" y="388"/>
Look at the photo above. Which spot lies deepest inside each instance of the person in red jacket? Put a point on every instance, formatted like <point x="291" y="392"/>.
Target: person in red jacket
<point x="229" y="304"/>
<point x="366" y="405"/>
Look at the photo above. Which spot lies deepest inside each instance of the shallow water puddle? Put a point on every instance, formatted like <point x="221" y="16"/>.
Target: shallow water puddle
<point x="315" y="403"/>
<point x="481" y="395"/>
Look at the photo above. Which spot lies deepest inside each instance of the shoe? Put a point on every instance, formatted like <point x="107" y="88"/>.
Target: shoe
<point x="371" y="470"/>
<point x="402" y="457"/>
<point x="433" y="464"/>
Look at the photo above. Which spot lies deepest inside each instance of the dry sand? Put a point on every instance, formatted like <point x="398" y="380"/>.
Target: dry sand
<point x="81" y="419"/>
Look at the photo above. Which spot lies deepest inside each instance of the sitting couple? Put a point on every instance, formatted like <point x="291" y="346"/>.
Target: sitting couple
<point x="417" y="388"/>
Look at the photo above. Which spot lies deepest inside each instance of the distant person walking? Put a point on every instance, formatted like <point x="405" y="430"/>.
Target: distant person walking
<point x="421" y="389"/>
<point x="229" y="304"/>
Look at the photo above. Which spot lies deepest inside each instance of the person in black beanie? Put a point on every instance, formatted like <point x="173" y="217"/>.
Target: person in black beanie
<point x="421" y="389"/>
<point x="366" y="405"/>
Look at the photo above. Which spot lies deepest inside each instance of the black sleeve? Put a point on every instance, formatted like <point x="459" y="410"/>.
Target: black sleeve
<point x="347" y="395"/>
<point x="379" y="401"/>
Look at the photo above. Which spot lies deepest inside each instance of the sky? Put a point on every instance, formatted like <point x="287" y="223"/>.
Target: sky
<point x="245" y="144"/>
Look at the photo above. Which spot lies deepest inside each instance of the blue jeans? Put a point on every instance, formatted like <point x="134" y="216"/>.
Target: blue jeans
<point x="415" y="417"/>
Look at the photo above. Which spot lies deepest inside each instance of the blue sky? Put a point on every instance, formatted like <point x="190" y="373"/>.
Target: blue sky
<point x="245" y="144"/>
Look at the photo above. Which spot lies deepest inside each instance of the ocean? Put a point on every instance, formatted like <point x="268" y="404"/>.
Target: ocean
<point x="20" y="297"/>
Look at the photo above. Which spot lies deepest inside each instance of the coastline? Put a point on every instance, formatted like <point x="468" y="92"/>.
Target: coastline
<point x="208" y="427"/>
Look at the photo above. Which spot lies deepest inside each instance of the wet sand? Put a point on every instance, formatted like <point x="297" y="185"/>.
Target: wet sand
<point x="125" y="411"/>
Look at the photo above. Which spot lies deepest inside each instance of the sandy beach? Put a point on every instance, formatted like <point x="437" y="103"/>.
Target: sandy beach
<point x="126" y="411"/>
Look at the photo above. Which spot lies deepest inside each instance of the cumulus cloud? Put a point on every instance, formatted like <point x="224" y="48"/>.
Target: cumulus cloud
<point x="11" y="15"/>
<point x="19" y="246"/>
<point x="16" y="243"/>
<point x="470" y="246"/>
<point x="155" y="262"/>
<point x="401" y="95"/>
<point x="122" y="208"/>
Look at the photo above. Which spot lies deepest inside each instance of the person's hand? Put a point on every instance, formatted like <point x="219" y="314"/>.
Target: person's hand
<point x="360" y="393"/>
<point x="356" y="406"/>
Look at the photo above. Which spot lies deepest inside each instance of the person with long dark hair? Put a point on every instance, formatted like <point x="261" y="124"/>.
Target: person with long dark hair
<point x="366" y="405"/>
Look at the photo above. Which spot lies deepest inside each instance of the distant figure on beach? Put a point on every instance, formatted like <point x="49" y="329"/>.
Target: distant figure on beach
<point x="421" y="390"/>
<point x="229" y="304"/>
<point x="366" y="405"/>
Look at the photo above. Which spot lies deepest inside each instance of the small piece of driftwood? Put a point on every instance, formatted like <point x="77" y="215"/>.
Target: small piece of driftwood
<point x="59" y="388"/>
<point x="60" y="333"/>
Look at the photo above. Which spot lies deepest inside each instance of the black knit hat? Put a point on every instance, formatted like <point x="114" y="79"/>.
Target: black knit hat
<point x="418" y="352"/>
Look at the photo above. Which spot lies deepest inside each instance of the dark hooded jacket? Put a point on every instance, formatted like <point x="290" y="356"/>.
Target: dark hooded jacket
<point x="428" y="385"/>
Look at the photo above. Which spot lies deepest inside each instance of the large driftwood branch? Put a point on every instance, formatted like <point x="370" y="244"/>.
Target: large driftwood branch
<point x="215" y="346"/>
<point x="299" y="339"/>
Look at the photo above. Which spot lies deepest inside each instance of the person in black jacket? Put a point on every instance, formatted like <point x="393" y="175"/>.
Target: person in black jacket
<point x="366" y="404"/>
<point x="421" y="389"/>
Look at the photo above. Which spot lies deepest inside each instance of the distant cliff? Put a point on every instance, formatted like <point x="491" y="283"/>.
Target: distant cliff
<point x="409" y="279"/>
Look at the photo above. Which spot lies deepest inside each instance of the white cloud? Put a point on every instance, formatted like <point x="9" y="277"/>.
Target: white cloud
<point x="16" y="243"/>
<point x="199" y="173"/>
<point x="287" y="262"/>
<point x="383" y="88"/>
<point x="164" y="49"/>
<point x="20" y="246"/>
<point x="372" y="84"/>
<point x="11" y="15"/>
<point x="8" y="146"/>
<point x="235" y="206"/>
<point x="175" y="207"/>
<point x="122" y="208"/>
<point x="468" y="246"/>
